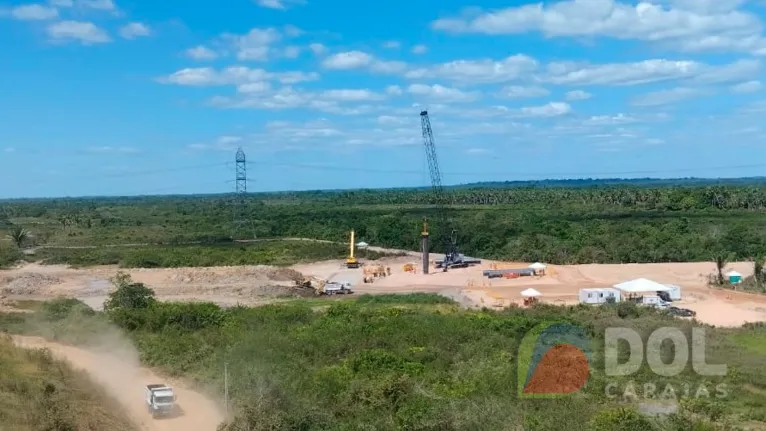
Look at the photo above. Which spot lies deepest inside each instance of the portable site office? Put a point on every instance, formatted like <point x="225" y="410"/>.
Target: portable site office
<point x="599" y="295"/>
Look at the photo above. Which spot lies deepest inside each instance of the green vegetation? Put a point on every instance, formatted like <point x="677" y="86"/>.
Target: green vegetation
<point x="406" y="362"/>
<point x="605" y="224"/>
<point x="38" y="392"/>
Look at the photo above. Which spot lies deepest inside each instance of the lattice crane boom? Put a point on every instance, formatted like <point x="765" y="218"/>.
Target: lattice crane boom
<point x="452" y="256"/>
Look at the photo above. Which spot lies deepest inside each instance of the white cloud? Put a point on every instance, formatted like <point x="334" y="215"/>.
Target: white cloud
<point x="317" y="48"/>
<point x="389" y="120"/>
<point x="292" y="31"/>
<point x="9" y="149"/>
<point x="441" y="93"/>
<point x="255" y="44"/>
<point x="34" y="12"/>
<point x="641" y="72"/>
<point x="233" y="75"/>
<point x="664" y="97"/>
<point x="682" y="25"/>
<point x="279" y="4"/>
<point x="352" y="95"/>
<point x="519" y="92"/>
<point x="112" y="150"/>
<point x="747" y="87"/>
<point x="61" y="3"/>
<point x="577" y="95"/>
<point x="201" y="52"/>
<point x="86" y="33"/>
<point x="736" y="71"/>
<point x="292" y="51"/>
<point x="347" y="60"/>
<point x="135" y="29"/>
<point x="254" y="87"/>
<point x="391" y="44"/>
<point x="419" y="49"/>
<point x="394" y="90"/>
<point x="104" y="5"/>
<point x="552" y="109"/>
<point x="330" y="101"/>
<point x="479" y="71"/>
<point x="608" y="120"/>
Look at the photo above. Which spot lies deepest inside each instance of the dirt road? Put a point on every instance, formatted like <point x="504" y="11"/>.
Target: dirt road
<point x="124" y="380"/>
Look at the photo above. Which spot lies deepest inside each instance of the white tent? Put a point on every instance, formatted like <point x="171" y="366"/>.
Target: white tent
<point x="641" y="285"/>
<point x="530" y="293"/>
<point x="733" y="274"/>
<point x="538" y="265"/>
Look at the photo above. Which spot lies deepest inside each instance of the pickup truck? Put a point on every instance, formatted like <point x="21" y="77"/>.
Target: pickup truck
<point x="160" y="400"/>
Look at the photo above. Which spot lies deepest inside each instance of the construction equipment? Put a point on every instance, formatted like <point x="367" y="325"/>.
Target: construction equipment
<point x="160" y="400"/>
<point x="371" y="272"/>
<point x="324" y="287"/>
<point x="351" y="262"/>
<point x="452" y="257"/>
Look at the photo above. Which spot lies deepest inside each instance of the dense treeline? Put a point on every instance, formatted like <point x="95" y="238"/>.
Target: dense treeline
<point x="608" y="224"/>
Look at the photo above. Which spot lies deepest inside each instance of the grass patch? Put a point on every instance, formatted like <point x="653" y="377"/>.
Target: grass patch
<point x="38" y="392"/>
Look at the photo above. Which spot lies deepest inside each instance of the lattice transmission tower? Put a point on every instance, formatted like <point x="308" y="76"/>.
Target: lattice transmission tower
<point x="242" y="220"/>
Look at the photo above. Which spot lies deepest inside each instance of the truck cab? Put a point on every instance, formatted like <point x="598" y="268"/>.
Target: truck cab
<point x="160" y="400"/>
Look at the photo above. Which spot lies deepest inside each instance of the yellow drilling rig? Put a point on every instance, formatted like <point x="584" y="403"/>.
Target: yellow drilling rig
<point x="351" y="262"/>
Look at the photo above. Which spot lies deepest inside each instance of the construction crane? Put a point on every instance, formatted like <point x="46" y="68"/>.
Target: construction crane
<point x="351" y="262"/>
<point x="452" y="257"/>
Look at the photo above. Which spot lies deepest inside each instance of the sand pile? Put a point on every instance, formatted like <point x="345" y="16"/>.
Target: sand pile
<point x="26" y="283"/>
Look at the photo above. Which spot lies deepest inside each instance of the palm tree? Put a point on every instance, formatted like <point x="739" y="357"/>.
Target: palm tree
<point x="758" y="266"/>
<point x="18" y="235"/>
<point x="720" y="265"/>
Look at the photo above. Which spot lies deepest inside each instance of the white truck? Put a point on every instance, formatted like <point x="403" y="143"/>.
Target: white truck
<point x="337" y="288"/>
<point x="160" y="400"/>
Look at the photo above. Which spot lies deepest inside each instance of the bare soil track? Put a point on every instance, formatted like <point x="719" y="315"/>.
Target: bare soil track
<point x="125" y="380"/>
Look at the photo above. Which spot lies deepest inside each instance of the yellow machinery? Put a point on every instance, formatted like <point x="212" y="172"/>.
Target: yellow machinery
<point x="351" y="262"/>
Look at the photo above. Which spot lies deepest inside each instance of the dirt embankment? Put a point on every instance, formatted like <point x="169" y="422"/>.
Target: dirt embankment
<point x="116" y="368"/>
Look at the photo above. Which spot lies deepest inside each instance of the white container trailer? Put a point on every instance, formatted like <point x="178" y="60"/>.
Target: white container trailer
<point x="599" y="295"/>
<point x="674" y="292"/>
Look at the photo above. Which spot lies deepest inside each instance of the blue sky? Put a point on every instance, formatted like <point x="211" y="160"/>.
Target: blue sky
<point x="153" y="97"/>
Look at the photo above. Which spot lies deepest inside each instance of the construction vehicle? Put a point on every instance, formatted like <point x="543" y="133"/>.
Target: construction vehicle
<point x="324" y="287"/>
<point x="371" y="272"/>
<point x="160" y="400"/>
<point x="351" y="262"/>
<point x="452" y="257"/>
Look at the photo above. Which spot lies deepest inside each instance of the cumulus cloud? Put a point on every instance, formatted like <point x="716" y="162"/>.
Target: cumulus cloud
<point x="233" y="75"/>
<point x="135" y="29"/>
<point x="86" y="33"/>
<point x="747" y="87"/>
<point x="347" y="60"/>
<point x="439" y="92"/>
<point x="664" y="97"/>
<point x="552" y="109"/>
<point x="33" y="12"/>
<point x="256" y="44"/>
<point x="688" y="25"/>
<point x="201" y="52"/>
<point x="518" y="92"/>
<point x="577" y="95"/>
